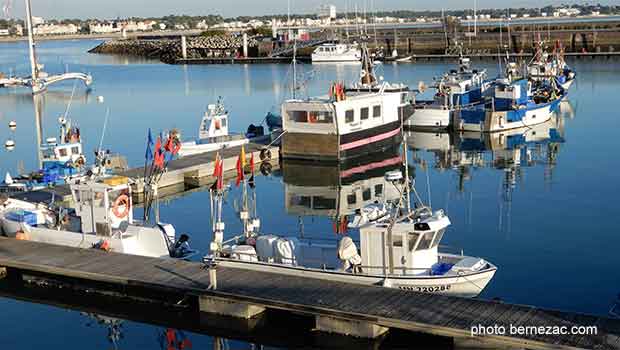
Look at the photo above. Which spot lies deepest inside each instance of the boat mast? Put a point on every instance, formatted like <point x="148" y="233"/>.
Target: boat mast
<point x="31" y="45"/>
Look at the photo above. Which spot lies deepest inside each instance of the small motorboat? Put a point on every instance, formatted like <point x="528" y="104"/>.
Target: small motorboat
<point x="213" y="133"/>
<point x="337" y="53"/>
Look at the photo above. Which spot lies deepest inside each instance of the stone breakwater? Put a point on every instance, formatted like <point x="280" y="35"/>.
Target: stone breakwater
<point x="169" y="50"/>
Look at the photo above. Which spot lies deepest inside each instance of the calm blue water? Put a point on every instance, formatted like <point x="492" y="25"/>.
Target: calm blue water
<point x="553" y="234"/>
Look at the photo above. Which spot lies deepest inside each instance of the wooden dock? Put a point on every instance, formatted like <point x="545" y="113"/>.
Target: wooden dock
<point x="182" y="175"/>
<point x="337" y="307"/>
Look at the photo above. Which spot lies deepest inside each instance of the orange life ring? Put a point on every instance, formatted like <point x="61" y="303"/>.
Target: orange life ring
<point x="121" y="200"/>
<point x="312" y="118"/>
<point x="218" y="124"/>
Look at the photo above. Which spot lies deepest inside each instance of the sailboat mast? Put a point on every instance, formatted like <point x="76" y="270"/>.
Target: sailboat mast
<point x="31" y="45"/>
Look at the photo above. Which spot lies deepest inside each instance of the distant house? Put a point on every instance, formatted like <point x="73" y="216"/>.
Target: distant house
<point x="104" y="28"/>
<point x="56" y="29"/>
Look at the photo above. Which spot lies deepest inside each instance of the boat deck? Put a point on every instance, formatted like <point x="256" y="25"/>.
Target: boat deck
<point x="392" y="308"/>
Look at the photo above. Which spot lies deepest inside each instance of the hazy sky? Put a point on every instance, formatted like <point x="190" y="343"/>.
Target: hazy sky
<point x="231" y="8"/>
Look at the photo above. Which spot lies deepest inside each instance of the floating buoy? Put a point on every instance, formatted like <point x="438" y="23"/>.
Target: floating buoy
<point x="12" y="125"/>
<point x="100" y="99"/>
<point x="9" y="145"/>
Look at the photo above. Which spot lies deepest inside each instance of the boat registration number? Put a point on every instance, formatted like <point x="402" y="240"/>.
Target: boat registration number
<point x="428" y="289"/>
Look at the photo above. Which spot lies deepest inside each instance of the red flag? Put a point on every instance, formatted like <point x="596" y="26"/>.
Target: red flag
<point x="176" y="148"/>
<point x="218" y="172"/>
<point x="168" y="146"/>
<point x="239" y="171"/>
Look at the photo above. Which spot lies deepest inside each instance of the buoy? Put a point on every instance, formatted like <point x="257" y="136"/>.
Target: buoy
<point x="12" y="125"/>
<point x="9" y="145"/>
<point x="100" y="99"/>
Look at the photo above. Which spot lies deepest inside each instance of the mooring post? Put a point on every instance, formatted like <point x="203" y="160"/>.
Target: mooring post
<point x="213" y="277"/>
<point x="184" y="46"/>
<point x="245" y="45"/>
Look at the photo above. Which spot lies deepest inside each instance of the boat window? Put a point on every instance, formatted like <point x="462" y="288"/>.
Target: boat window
<point x="323" y="203"/>
<point x="75" y="150"/>
<point x="413" y="238"/>
<point x="62" y="152"/>
<point x="320" y="117"/>
<point x="100" y="199"/>
<point x="379" y="190"/>
<point x="223" y="121"/>
<point x="403" y="98"/>
<point x="47" y="153"/>
<point x="304" y="201"/>
<point x="298" y="116"/>
<point x="349" y="116"/>
<point x="426" y="240"/>
<point x="376" y="111"/>
<point x="397" y="242"/>
<point x="364" y="113"/>
<point x="438" y="237"/>
<point x="366" y="195"/>
<point x="351" y="199"/>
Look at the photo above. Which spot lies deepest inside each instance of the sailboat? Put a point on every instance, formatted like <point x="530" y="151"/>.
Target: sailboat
<point x="40" y="80"/>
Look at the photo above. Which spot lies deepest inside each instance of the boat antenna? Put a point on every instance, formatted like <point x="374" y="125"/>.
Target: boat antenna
<point x="105" y="125"/>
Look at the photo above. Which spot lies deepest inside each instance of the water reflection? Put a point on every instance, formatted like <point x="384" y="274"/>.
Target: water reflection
<point x="509" y="152"/>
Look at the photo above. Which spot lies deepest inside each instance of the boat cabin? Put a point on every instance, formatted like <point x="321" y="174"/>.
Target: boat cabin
<point x="413" y="249"/>
<point x="214" y="123"/>
<point x="509" y="95"/>
<point x="333" y="128"/>
<point x="61" y="153"/>
<point x="104" y="206"/>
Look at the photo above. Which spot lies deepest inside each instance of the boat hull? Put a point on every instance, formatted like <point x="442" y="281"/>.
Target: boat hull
<point x="497" y="121"/>
<point x="329" y="147"/>
<point x="191" y="148"/>
<point x="430" y="118"/>
<point x="467" y="285"/>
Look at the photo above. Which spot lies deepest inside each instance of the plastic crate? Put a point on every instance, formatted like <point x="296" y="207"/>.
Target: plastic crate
<point x="23" y="216"/>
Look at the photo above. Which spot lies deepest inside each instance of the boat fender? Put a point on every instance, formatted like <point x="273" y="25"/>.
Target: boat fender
<point x="265" y="154"/>
<point x="122" y="200"/>
<point x="22" y="236"/>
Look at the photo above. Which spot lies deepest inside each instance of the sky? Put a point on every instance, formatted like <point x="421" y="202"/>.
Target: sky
<point x="232" y="8"/>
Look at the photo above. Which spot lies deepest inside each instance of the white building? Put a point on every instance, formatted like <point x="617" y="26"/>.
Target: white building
<point x="37" y="21"/>
<point x="4" y="32"/>
<point x="104" y="28"/>
<point x="55" y="29"/>
<point x="327" y="11"/>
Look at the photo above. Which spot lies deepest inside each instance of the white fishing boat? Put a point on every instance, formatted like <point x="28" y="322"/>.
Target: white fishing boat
<point x="363" y="118"/>
<point x="455" y="90"/>
<point x="102" y="218"/>
<point x="213" y="133"/>
<point x="396" y="251"/>
<point x="545" y="66"/>
<point x="337" y="53"/>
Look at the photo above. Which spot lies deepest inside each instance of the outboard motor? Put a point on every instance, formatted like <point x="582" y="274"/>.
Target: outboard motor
<point x="181" y="248"/>
<point x="347" y="253"/>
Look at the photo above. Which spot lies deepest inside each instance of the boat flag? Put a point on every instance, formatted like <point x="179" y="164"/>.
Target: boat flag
<point x="240" y="166"/>
<point x="251" y="180"/>
<point x="218" y="171"/>
<point x="149" y="143"/>
<point x="158" y="161"/>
